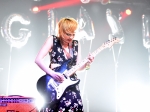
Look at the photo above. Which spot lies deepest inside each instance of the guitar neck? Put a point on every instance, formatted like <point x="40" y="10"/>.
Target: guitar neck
<point x="105" y="45"/>
<point x="83" y="62"/>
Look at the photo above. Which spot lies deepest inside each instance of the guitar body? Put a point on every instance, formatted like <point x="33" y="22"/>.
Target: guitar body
<point x="53" y="90"/>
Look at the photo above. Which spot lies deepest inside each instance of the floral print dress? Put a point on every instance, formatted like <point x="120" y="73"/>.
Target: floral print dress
<point x="71" y="99"/>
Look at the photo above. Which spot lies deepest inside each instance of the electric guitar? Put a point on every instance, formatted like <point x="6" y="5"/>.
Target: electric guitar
<point x="52" y="89"/>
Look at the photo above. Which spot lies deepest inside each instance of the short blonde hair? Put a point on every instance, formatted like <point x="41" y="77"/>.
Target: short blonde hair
<point x="68" y="25"/>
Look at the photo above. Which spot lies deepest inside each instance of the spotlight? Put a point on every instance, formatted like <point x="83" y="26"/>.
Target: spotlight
<point x="124" y="14"/>
<point x="85" y="1"/>
<point x="128" y="12"/>
<point x="35" y="9"/>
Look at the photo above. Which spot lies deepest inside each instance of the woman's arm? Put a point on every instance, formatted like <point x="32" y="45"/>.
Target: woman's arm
<point x="42" y="53"/>
<point x="46" y="48"/>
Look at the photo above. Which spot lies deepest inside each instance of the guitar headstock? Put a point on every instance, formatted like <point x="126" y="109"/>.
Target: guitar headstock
<point x="111" y="42"/>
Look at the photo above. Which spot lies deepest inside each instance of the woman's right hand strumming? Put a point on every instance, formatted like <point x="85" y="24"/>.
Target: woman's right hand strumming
<point x="57" y="76"/>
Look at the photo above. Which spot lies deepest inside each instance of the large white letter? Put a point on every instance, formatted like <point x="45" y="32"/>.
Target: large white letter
<point x="23" y="33"/>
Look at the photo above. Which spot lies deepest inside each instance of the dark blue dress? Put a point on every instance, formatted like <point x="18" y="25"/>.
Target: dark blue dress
<point x="71" y="100"/>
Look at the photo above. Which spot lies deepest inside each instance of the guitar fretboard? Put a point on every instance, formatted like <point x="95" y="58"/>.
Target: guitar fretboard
<point x="83" y="62"/>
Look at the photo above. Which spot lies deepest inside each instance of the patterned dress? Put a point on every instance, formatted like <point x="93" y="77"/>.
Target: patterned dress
<point x="71" y="99"/>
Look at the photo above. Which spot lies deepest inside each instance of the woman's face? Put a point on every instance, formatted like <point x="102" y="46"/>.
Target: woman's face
<point x="67" y="30"/>
<point x="68" y="37"/>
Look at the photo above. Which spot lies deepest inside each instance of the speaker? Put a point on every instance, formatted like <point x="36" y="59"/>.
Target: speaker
<point x="15" y="103"/>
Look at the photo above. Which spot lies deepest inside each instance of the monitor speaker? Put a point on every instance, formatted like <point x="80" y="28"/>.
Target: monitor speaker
<point x="15" y="103"/>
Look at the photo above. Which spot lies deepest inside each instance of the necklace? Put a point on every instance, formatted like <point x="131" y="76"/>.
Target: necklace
<point x="67" y="48"/>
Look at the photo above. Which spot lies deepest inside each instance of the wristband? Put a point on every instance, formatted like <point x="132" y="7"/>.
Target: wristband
<point x="87" y="67"/>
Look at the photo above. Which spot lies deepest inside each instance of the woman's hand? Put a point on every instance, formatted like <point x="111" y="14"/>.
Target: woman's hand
<point x="90" y="60"/>
<point x="58" y="76"/>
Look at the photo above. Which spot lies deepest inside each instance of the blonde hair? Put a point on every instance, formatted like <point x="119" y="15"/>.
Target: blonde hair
<point x="68" y="25"/>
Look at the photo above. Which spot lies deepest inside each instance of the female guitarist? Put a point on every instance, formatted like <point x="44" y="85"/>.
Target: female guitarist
<point x="62" y="49"/>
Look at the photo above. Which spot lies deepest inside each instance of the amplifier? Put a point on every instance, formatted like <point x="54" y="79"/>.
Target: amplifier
<point x="17" y="103"/>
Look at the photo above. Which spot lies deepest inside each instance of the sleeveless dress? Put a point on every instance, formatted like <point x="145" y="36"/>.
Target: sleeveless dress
<point x="71" y="100"/>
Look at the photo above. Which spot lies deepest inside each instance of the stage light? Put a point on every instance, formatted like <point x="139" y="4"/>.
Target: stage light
<point x="128" y="12"/>
<point x="85" y="1"/>
<point x="61" y="4"/>
<point x="35" y="9"/>
<point x="124" y="14"/>
<point x="39" y="102"/>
